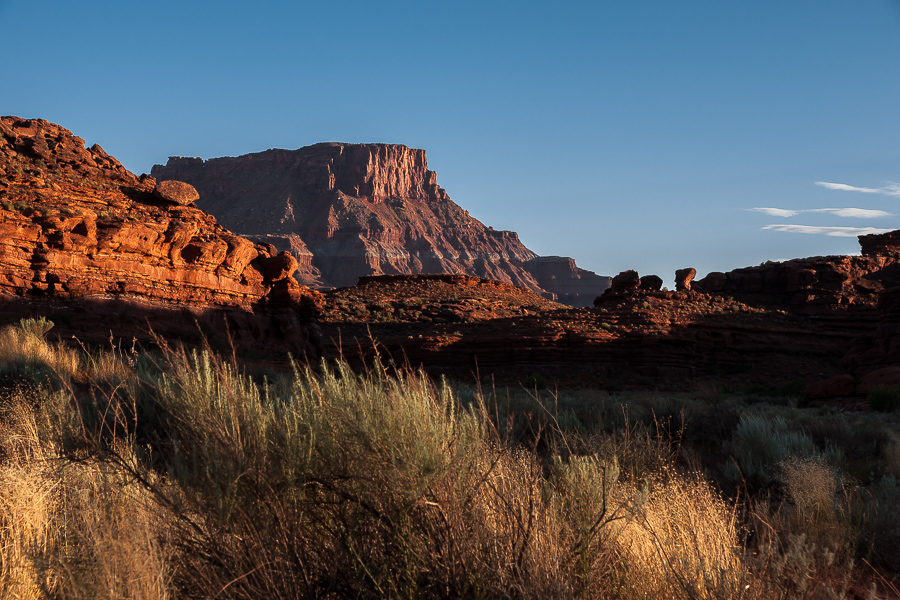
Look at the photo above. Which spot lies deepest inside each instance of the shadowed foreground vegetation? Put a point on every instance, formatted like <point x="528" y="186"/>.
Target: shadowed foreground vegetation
<point x="172" y="474"/>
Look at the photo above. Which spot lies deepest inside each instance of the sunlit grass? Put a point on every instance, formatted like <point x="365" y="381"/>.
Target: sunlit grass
<point x="177" y="475"/>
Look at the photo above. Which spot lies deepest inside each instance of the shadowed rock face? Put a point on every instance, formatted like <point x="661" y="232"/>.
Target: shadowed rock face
<point x="809" y="283"/>
<point x="75" y="224"/>
<point x="466" y="327"/>
<point x="353" y="210"/>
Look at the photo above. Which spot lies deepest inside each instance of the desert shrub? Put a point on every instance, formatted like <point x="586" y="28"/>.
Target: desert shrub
<point x="883" y="398"/>
<point x="760" y="443"/>
<point x="179" y="475"/>
<point x="819" y="505"/>
<point x="107" y="539"/>
<point x="683" y="542"/>
<point x="24" y="350"/>
<point x="346" y="485"/>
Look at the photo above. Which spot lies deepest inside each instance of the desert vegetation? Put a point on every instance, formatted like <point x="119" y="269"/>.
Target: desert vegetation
<point x="174" y="473"/>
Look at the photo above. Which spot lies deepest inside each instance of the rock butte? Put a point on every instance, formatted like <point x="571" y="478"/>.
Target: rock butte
<point x="353" y="210"/>
<point x="75" y="225"/>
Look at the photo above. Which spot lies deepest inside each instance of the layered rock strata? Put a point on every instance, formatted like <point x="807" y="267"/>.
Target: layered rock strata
<point x="354" y="210"/>
<point x="75" y="224"/>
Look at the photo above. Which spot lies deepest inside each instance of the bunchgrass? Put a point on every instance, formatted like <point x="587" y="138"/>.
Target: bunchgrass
<point x="178" y="475"/>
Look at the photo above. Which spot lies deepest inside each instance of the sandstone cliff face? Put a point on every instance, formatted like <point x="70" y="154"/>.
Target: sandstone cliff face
<point x="353" y="210"/>
<point x="74" y="223"/>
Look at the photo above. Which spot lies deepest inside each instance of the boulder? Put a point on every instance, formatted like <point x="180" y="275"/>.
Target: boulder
<point x="176" y="192"/>
<point x="279" y="267"/>
<point x="625" y="281"/>
<point x="651" y="282"/>
<point x="683" y="278"/>
<point x="714" y="281"/>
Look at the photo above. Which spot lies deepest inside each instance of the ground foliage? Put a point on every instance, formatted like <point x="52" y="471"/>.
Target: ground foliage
<point x="175" y="474"/>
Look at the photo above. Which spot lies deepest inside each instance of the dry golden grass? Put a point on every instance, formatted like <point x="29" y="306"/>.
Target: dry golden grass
<point x="680" y="539"/>
<point x="28" y="495"/>
<point x="71" y="531"/>
<point x="109" y="542"/>
<point x="818" y="507"/>
<point x="335" y="484"/>
<point x="23" y="347"/>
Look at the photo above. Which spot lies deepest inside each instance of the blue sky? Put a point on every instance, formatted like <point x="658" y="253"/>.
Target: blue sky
<point x="627" y="134"/>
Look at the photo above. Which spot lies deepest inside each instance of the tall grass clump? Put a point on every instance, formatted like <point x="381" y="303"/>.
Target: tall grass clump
<point x="760" y="443"/>
<point x="24" y="351"/>
<point x="27" y="502"/>
<point x="178" y="475"/>
<point x="71" y="530"/>
<point x="338" y="484"/>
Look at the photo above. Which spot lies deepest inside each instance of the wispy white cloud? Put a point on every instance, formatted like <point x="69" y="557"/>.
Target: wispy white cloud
<point x="891" y="189"/>
<point x="856" y="213"/>
<point x="832" y="231"/>
<point x="775" y="212"/>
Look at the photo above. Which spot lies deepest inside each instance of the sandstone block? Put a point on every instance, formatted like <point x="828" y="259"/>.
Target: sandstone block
<point x="651" y="282"/>
<point x="176" y="192"/>
<point x="279" y="267"/>
<point x="626" y="280"/>
<point x="683" y="278"/>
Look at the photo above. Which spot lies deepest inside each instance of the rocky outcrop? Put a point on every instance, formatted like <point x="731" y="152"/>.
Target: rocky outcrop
<point x="683" y="278"/>
<point x="365" y="209"/>
<point x="873" y="358"/>
<point x="75" y="224"/>
<point x="820" y="282"/>
<point x="883" y="244"/>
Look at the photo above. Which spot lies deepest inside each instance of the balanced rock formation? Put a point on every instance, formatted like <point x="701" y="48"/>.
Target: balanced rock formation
<point x="75" y="224"/>
<point x="683" y="278"/>
<point x="353" y="210"/>
<point x="625" y="282"/>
